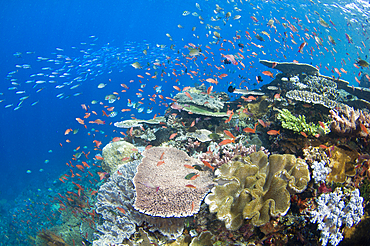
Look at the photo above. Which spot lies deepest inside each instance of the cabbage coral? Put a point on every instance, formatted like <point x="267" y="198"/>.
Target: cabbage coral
<point x="256" y="187"/>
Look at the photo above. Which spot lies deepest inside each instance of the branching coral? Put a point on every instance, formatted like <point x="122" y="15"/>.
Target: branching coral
<point x="334" y="210"/>
<point x="256" y="187"/>
<point x="348" y="121"/>
<point x="219" y="155"/>
<point x="299" y="124"/>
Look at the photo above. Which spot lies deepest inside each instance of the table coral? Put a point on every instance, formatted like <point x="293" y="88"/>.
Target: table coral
<point x="163" y="185"/>
<point x="256" y="187"/>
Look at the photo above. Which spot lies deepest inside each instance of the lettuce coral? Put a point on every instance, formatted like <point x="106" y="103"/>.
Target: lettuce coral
<point x="255" y="187"/>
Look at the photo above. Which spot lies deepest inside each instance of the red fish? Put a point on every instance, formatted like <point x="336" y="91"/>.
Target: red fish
<point x="194" y="177"/>
<point x="210" y="80"/>
<point x="231" y="58"/>
<point x="229" y="134"/>
<point x="190" y="186"/>
<point x="176" y="88"/>
<point x="268" y="73"/>
<point x="160" y="163"/>
<point x="80" y="121"/>
<point x="224" y="142"/>
<point x="208" y="165"/>
<point x="301" y="47"/>
<point x="188" y="95"/>
<point x="116" y="139"/>
<point x="363" y="128"/>
<point x="273" y="132"/>
<point x="173" y="135"/>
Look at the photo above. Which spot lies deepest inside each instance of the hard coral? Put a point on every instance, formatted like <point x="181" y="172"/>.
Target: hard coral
<point x="256" y="187"/>
<point x="115" y="154"/>
<point x="166" y="187"/>
<point x="347" y="121"/>
<point x="342" y="163"/>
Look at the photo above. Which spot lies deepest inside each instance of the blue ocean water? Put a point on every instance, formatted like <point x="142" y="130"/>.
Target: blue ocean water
<point x="117" y="32"/>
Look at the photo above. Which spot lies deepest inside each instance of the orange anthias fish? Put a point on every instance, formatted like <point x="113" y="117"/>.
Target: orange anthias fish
<point x="190" y="186"/>
<point x="173" y="135"/>
<point x="363" y="128"/>
<point x="262" y="123"/>
<point x="250" y="130"/>
<point x="67" y="131"/>
<point x="268" y="73"/>
<point x="273" y="132"/>
<point x="116" y="139"/>
<point x="176" y="88"/>
<point x="229" y="134"/>
<point x="121" y="210"/>
<point x="80" y="121"/>
<point x="206" y="163"/>
<point x="226" y="141"/>
<point x="210" y="80"/>
<point x="188" y="95"/>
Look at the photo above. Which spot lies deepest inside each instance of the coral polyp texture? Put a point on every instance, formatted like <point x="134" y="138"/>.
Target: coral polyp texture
<point x="167" y="185"/>
<point x="336" y="210"/>
<point x="115" y="154"/>
<point x="256" y="187"/>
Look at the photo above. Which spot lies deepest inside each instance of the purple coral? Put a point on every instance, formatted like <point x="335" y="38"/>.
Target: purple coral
<point x="219" y="155"/>
<point x="348" y="121"/>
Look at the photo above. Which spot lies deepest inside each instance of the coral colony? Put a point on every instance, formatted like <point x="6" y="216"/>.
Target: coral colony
<point x="336" y="210"/>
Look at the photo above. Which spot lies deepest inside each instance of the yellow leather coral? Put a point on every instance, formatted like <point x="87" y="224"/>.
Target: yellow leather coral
<point x="255" y="188"/>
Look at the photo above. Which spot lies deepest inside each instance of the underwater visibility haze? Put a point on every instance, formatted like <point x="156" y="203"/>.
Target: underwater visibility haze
<point x="226" y="122"/>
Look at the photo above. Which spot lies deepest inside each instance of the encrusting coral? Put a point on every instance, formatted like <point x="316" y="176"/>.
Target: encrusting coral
<point x="255" y="187"/>
<point x="342" y="163"/>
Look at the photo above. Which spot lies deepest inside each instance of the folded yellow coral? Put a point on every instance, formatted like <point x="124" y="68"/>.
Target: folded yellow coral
<point x="256" y="187"/>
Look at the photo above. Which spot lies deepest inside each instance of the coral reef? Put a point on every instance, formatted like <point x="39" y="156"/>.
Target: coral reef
<point x="256" y="187"/>
<point x="194" y="109"/>
<point x="320" y="171"/>
<point x="202" y="135"/>
<point x="291" y="68"/>
<point x="219" y="155"/>
<point x="312" y="97"/>
<point x="335" y="210"/>
<point x="119" y="219"/>
<point x="299" y="124"/>
<point x="138" y="123"/>
<point x="114" y="197"/>
<point x="115" y="154"/>
<point x="347" y="121"/>
<point x="165" y="184"/>
<point x="342" y="164"/>
<point x="194" y="96"/>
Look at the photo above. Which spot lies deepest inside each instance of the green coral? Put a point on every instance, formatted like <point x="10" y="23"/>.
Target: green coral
<point x="299" y="124"/>
<point x="256" y="187"/>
